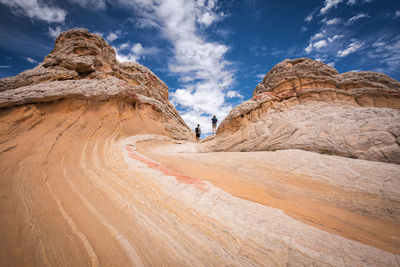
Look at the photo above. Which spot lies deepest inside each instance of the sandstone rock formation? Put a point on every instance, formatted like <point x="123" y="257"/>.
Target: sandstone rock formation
<point x="83" y="66"/>
<point x="352" y="198"/>
<point x="305" y="104"/>
<point x="96" y="170"/>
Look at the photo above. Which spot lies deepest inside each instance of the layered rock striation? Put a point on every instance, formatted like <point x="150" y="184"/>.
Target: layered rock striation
<point x="306" y="104"/>
<point x="58" y="178"/>
<point x="92" y="174"/>
<point x="83" y="66"/>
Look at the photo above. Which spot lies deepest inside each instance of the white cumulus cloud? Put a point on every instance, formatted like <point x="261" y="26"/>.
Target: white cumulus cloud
<point x="260" y="76"/>
<point x="30" y="60"/>
<point x="309" y="48"/>
<point x="36" y="10"/>
<point x="332" y="44"/>
<point x="385" y="52"/>
<point x="127" y="52"/>
<point x="206" y="18"/>
<point x="93" y="4"/>
<point x="332" y="21"/>
<point x="320" y="44"/>
<point x="351" y="48"/>
<point x="137" y="49"/>
<point x="309" y="17"/>
<point x="112" y="36"/>
<point x="124" y="53"/>
<point x="329" y="4"/>
<point x="318" y="35"/>
<point x="357" y="17"/>
<point x="142" y="23"/>
<point x="335" y="37"/>
<point x="232" y="94"/>
<point x="206" y="12"/>
<point x="352" y="2"/>
<point x="54" y="33"/>
<point x="316" y="42"/>
<point x="204" y="73"/>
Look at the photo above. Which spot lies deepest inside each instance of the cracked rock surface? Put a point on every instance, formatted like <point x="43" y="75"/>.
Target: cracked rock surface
<point x="83" y="65"/>
<point x="305" y="104"/>
<point x="98" y="169"/>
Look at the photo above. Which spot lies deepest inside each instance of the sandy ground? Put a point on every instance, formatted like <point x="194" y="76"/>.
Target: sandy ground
<point x="80" y="187"/>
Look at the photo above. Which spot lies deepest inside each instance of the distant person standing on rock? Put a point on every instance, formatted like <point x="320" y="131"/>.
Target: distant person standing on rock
<point x="214" y="124"/>
<point x="198" y="132"/>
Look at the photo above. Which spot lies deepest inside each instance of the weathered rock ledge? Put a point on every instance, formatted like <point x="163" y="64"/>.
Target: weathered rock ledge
<point x="83" y="66"/>
<point x="305" y="104"/>
<point x="303" y="73"/>
<point x="79" y="54"/>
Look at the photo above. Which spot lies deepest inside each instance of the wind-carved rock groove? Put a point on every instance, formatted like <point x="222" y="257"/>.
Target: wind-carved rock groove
<point x="97" y="168"/>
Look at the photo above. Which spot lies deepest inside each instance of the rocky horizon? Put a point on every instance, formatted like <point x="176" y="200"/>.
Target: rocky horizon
<point x="97" y="168"/>
<point x="83" y="66"/>
<point x="305" y="104"/>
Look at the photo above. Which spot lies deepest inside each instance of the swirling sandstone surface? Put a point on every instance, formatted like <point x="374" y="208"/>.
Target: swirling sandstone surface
<point x="305" y="104"/>
<point x="83" y="66"/>
<point x="98" y="169"/>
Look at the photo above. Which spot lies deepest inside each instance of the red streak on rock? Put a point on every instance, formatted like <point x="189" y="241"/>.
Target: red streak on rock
<point x="198" y="183"/>
<point x="130" y="149"/>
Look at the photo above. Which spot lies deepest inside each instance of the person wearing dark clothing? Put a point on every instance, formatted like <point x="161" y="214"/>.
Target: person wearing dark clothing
<point x="214" y="124"/>
<point x="198" y="132"/>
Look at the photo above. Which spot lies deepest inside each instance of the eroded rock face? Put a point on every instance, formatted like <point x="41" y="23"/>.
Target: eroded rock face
<point x="76" y="189"/>
<point x="306" y="104"/>
<point x="299" y="74"/>
<point x="79" y="54"/>
<point x="83" y="52"/>
<point x="82" y="65"/>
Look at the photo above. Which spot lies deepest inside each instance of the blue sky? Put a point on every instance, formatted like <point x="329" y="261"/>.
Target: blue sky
<point x="210" y="53"/>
